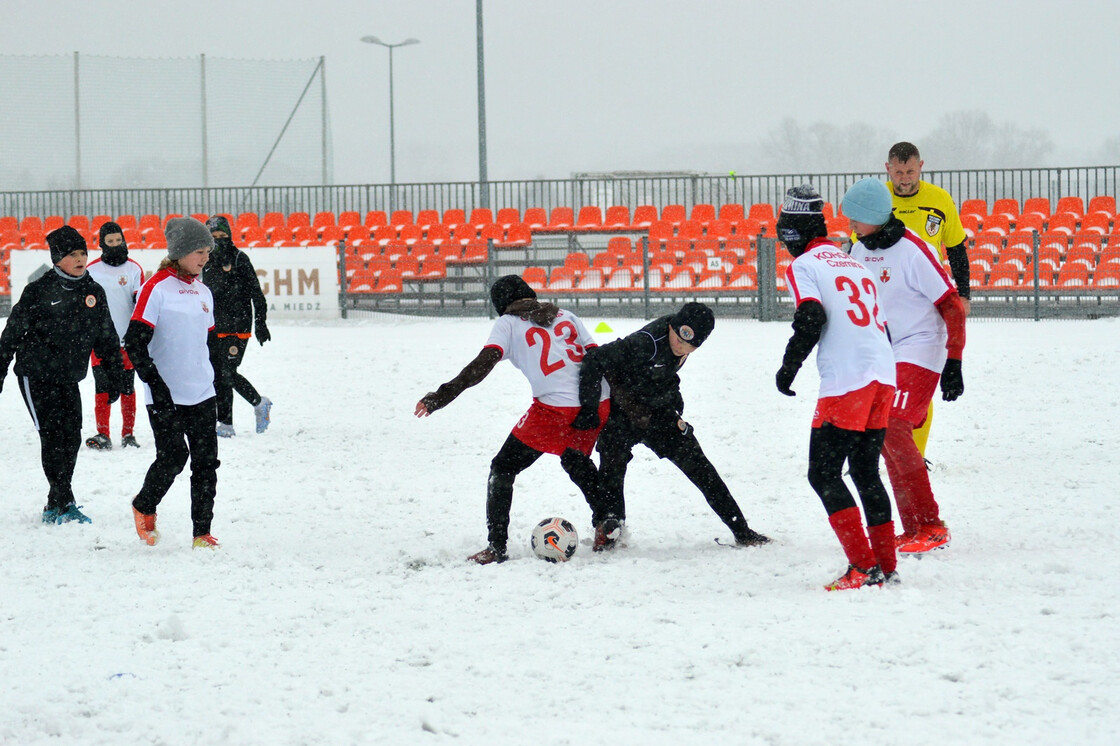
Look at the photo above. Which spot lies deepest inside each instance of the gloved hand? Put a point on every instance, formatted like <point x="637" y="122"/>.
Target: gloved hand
<point x="587" y="419"/>
<point x="952" y="380"/>
<point x="262" y="332"/>
<point x="161" y="396"/>
<point x="784" y="379"/>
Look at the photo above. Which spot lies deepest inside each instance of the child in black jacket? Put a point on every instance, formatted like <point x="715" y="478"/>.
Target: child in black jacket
<point x="238" y="301"/>
<point x="59" y="319"/>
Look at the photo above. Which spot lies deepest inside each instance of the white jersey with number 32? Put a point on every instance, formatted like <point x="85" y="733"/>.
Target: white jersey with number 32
<point x="853" y="350"/>
<point x="549" y="357"/>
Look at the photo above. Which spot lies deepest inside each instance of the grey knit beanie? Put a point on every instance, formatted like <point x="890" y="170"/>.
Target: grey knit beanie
<point x="186" y="235"/>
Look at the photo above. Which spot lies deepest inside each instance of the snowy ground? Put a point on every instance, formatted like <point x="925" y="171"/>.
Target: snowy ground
<point x="340" y="609"/>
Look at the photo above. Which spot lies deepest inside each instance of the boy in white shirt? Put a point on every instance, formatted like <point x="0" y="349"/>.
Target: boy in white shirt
<point x="547" y="345"/>
<point x="838" y="312"/>
<point x="927" y="327"/>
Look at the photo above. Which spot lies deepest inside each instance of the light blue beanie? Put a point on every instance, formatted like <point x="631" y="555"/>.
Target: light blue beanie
<point x="867" y="201"/>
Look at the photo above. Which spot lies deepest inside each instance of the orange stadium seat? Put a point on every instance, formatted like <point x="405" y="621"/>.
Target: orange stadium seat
<point x="1107" y="276"/>
<point x="732" y="212"/>
<point x="390" y="281"/>
<point x="1030" y="221"/>
<point x="322" y="219"/>
<point x="1006" y="206"/>
<point x="437" y="233"/>
<point x="619" y="245"/>
<point x="1096" y="222"/>
<point x="1015" y="255"/>
<point x="660" y="231"/>
<point x="719" y="229"/>
<point x="644" y="216"/>
<point x="618" y="216"/>
<point x="433" y="268"/>
<point x="978" y="272"/>
<point x="255" y="235"/>
<point x="971" y="224"/>
<point x="1082" y="254"/>
<point x="507" y="216"/>
<point x="590" y="280"/>
<point x="561" y="218"/>
<point x="690" y="229"/>
<point x="475" y="252"/>
<point x="1073" y="205"/>
<point x="1000" y="224"/>
<point x="408" y="266"/>
<point x="422" y="249"/>
<point x="624" y="278"/>
<point x="681" y="278"/>
<point x="1104" y="204"/>
<point x="331" y="235"/>
<point x="535" y="277"/>
<point x="711" y="280"/>
<point x="347" y="219"/>
<point x="1004" y="276"/>
<point x="977" y="207"/>
<point x="703" y="214"/>
<point x="463" y="233"/>
<point x="481" y="216"/>
<point x="149" y="222"/>
<point x="762" y="212"/>
<point x="383" y="234"/>
<point x="1057" y="242"/>
<point x="281" y="235"/>
<point x="536" y="218"/>
<point x="427" y="218"/>
<point x="1062" y="222"/>
<point x="52" y="223"/>
<point x="562" y="279"/>
<point x="9" y="223"/>
<point x="410" y="233"/>
<point x="1088" y="240"/>
<point x="590" y="218"/>
<point x="1075" y="275"/>
<point x="269" y="222"/>
<point x="605" y="261"/>
<point x="1039" y="205"/>
<point x="375" y="219"/>
<point x="454" y="216"/>
<point x="80" y="223"/>
<point x="577" y="261"/>
<point x="984" y="253"/>
<point x="674" y="214"/>
<point x="246" y="220"/>
<point x="518" y="234"/>
<point x="492" y="232"/>
<point x="298" y="220"/>
<point x="743" y="277"/>
<point x="30" y="224"/>
<point x="400" y="218"/>
<point x="394" y="249"/>
<point x="305" y="235"/>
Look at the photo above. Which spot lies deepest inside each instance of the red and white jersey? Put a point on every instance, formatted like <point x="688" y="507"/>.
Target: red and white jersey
<point x="181" y="314"/>
<point x="122" y="285"/>
<point x="911" y="282"/>
<point x="853" y="350"/>
<point x="549" y="357"/>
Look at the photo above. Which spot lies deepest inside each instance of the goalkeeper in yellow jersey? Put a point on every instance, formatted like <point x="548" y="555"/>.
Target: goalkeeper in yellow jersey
<point x="929" y="211"/>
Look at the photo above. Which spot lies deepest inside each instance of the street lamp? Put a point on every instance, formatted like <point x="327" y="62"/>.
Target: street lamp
<point x="392" y="139"/>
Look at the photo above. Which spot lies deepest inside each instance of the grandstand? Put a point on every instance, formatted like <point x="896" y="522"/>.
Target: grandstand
<point x="1029" y="258"/>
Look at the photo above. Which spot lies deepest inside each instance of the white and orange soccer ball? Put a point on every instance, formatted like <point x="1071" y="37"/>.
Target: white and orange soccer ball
<point x="554" y="540"/>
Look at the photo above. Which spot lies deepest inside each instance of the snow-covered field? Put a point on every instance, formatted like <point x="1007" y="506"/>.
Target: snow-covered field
<point x="340" y="611"/>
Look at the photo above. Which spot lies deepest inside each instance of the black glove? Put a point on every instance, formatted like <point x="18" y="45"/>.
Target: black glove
<point x="785" y="377"/>
<point x="262" y="332"/>
<point x="952" y="381"/>
<point x="161" y="396"/>
<point x="587" y="419"/>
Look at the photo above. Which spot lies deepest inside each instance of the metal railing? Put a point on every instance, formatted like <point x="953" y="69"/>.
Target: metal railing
<point x="602" y="190"/>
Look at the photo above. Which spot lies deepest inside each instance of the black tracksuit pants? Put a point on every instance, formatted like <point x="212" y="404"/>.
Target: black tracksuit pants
<point x="515" y="457"/>
<point x="182" y="432"/>
<point x="664" y="438"/>
<point x="829" y="448"/>
<point x="56" y="410"/>
<point x="233" y="381"/>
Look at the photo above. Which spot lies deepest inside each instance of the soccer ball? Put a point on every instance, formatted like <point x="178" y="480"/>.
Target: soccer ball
<point x="554" y="540"/>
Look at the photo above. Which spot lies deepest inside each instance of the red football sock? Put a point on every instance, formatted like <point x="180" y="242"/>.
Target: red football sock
<point x="101" y="413"/>
<point x="882" y="543"/>
<point x="128" y="413"/>
<point x="848" y="525"/>
<point x="909" y="477"/>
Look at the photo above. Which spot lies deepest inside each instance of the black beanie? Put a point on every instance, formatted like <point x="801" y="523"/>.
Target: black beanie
<point x="693" y="323"/>
<point x="507" y="289"/>
<point x="63" y="241"/>
<point x="219" y="223"/>
<point x="801" y="219"/>
<point x="114" y="256"/>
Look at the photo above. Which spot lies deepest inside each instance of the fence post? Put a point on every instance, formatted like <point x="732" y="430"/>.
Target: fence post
<point x="767" y="279"/>
<point x="77" y="126"/>
<point x="342" y="281"/>
<point x="645" y="276"/>
<point x="205" y="147"/>
<point x="1034" y="263"/>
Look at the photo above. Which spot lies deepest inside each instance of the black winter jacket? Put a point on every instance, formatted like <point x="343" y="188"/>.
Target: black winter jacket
<point x="237" y="291"/>
<point x="54" y="326"/>
<point x="642" y="371"/>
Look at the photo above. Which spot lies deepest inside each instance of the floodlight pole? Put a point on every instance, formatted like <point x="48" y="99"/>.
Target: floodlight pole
<point x="392" y="133"/>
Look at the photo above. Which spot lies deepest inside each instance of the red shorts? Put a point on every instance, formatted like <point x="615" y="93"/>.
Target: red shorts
<point x="868" y="408"/>
<point x="915" y="390"/>
<point x="548" y="429"/>
<point x="95" y="360"/>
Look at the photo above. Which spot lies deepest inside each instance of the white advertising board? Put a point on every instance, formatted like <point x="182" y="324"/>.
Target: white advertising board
<point x="299" y="282"/>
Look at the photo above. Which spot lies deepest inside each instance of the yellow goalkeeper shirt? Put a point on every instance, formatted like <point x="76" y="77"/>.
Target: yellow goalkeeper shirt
<point x="931" y="214"/>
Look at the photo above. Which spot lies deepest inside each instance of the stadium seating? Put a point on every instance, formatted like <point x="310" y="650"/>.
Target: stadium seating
<point x="1071" y="206"/>
<point x="481" y="216"/>
<point x="590" y="218"/>
<point x="645" y="216"/>
<point x="1006" y="206"/>
<point x="618" y="216"/>
<point x="507" y="216"/>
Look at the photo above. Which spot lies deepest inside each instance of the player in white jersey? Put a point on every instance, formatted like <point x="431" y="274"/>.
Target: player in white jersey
<point x="837" y="311"/>
<point x="547" y="345"/>
<point x="172" y="344"/>
<point x="121" y="279"/>
<point x="927" y="327"/>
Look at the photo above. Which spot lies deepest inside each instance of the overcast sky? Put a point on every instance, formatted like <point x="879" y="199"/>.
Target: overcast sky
<point x="607" y="85"/>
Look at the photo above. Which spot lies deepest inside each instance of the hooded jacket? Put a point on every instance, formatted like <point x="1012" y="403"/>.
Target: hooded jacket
<point x="54" y="326"/>
<point x="238" y="298"/>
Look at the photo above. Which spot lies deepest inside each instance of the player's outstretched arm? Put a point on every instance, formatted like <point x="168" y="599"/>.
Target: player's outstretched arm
<point x="471" y="375"/>
<point x="808" y="323"/>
